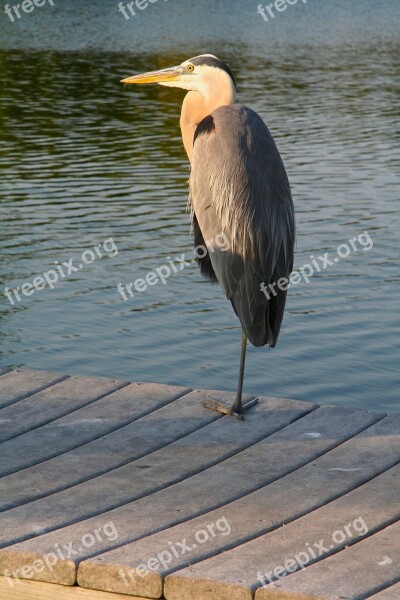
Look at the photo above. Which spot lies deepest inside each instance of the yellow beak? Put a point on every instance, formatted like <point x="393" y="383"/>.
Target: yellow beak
<point x="171" y="74"/>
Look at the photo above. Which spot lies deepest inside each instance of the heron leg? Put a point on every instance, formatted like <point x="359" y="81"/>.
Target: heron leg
<point x="237" y="405"/>
<point x="237" y="408"/>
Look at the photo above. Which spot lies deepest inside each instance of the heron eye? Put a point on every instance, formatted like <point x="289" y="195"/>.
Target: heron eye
<point x="190" y="68"/>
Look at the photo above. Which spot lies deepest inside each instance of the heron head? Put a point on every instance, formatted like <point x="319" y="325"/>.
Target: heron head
<point x="200" y="74"/>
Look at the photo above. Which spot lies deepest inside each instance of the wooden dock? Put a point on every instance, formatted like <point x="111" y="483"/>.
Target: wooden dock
<point x="112" y="490"/>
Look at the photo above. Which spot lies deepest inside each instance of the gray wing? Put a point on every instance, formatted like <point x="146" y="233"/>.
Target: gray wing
<point x="240" y="193"/>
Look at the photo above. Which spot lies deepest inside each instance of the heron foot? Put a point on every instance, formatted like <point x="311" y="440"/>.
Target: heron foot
<point x="224" y="409"/>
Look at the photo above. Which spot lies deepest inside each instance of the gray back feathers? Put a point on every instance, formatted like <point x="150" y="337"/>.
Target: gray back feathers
<point x="239" y="187"/>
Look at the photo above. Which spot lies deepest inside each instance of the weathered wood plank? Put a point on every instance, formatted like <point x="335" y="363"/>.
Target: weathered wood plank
<point x="4" y="370"/>
<point x="390" y="593"/>
<point x="206" y="446"/>
<point x="263" y="510"/>
<point x="16" y="385"/>
<point x="52" y="403"/>
<point x="356" y="572"/>
<point x="125" y="445"/>
<point x="287" y="549"/>
<point x="109" y="414"/>
<point x="33" y="590"/>
<point x="224" y="482"/>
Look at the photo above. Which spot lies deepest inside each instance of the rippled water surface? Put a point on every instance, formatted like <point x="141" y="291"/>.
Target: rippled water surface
<point x="83" y="159"/>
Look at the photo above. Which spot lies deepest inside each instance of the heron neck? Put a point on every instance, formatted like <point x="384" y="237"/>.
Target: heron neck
<point x="194" y="108"/>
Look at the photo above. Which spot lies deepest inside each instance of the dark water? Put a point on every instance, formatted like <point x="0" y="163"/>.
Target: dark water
<point x="83" y="159"/>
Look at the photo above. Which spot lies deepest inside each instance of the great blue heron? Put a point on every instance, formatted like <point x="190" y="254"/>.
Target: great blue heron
<point x="238" y="187"/>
